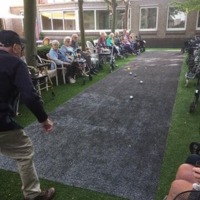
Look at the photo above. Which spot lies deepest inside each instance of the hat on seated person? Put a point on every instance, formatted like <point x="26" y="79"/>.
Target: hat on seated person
<point x="9" y="38"/>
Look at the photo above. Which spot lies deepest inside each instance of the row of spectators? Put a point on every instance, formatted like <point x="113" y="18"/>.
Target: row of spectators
<point x="67" y="53"/>
<point x="70" y="49"/>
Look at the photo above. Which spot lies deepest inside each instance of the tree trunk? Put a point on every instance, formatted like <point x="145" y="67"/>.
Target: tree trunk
<point x="81" y="24"/>
<point x="114" y="5"/>
<point x="29" y="31"/>
<point x="1" y="24"/>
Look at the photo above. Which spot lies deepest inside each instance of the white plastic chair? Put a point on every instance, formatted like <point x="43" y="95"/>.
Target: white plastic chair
<point x="51" y="72"/>
<point x="62" y="68"/>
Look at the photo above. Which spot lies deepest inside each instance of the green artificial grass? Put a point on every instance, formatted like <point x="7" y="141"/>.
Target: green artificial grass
<point x="184" y="129"/>
<point x="10" y="182"/>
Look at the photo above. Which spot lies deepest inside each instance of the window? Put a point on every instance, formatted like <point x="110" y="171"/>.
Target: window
<point x="120" y="19"/>
<point x="198" y="20"/>
<point x="176" y="19"/>
<point x="103" y="19"/>
<point x="58" y="20"/>
<point x="46" y="21"/>
<point x="89" y="20"/>
<point x="94" y="20"/>
<point x="69" y="20"/>
<point x="148" y="19"/>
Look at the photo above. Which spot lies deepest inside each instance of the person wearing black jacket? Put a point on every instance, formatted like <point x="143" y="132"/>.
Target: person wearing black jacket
<point x="14" y="143"/>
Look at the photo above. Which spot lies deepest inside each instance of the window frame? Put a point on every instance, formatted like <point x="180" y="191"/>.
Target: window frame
<point x="50" y="12"/>
<point x="157" y="13"/>
<point x="175" y="29"/>
<point x="52" y="28"/>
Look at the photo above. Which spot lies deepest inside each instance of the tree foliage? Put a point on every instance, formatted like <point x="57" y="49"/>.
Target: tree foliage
<point x="188" y="5"/>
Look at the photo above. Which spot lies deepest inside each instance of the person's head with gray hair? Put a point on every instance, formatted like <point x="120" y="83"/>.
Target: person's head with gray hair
<point x="75" y="36"/>
<point x="55" y="44"/>
<point x="67" y="41"/>
<point x="116" y="33"/>
<point x="111" y="35"/>
<point x="103" y="34"/>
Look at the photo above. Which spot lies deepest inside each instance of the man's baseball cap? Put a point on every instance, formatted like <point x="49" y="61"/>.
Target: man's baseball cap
<point x="9" y="38"/>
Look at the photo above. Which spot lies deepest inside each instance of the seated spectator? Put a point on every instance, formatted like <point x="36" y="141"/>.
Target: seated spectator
<point x="102" y="40"/>
<point x="126" y="43"/>
<point x="117" y="39"/>
<point x="56" y="55"/>
<point x="125" y="35"/>
<point x="118" y="43"/>
<point x="66" y="48"/>
<point x="110" y="43"/>
<point x="133" y="41"/>
<point x="85" y="55"/>
<point x="101" y="44"/>
<point x="186" y="179"/>
<point x="68" y="51"/>
<point x="46" y="41"/>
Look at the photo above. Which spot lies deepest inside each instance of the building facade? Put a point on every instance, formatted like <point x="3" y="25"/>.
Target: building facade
<point x="157" y="21"/>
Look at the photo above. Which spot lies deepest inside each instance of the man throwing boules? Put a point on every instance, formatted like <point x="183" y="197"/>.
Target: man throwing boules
<point x="14" y="143"/>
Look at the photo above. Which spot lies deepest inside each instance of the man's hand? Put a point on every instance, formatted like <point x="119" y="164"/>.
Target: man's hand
<point x="47" y="125"/>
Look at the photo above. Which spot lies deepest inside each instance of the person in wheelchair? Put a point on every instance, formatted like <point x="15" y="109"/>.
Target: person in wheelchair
<point x="57" y="56"/>
<point x="81" y="54"/>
